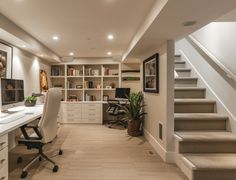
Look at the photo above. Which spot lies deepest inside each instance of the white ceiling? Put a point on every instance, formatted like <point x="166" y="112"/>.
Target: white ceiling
<point x="229" y="17"/>
<point x="82" y="25"/>
<point x="168" y="25"/>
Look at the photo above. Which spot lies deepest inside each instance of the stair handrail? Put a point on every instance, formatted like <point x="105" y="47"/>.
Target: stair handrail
<point x="213" y="61"/>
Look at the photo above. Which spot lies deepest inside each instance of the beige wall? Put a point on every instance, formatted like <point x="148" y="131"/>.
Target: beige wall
<point x="27" y="66"/>
<point x="160" y="107"/>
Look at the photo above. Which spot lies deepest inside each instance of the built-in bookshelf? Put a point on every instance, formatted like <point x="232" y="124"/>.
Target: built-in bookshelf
<point x="86" y="82"/>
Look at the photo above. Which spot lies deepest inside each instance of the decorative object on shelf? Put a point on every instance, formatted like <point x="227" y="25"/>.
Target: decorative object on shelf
<point x="30" y="101"/>
<point x="5" y="61"/>
<point x="95" y="72"/>
<point x="151" y="74"/>
<point x="108" y="87"/>
<point x="89" y="97"/>
<point x="113" y="85"/>
<point x="105" y="97"/>
<point x="79" y="86"/>
<point x="58" y="86"/>
<point x="130" y="78"/>
<point x="131" y="75"/>
<point x="72" y="98"/>
<point x="43" y="81"/>
<point x="98" y="86"/>
<point x="134" y="114"/>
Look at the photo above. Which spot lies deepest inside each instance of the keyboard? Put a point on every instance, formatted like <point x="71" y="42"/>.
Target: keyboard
<point x="11" y="118"/>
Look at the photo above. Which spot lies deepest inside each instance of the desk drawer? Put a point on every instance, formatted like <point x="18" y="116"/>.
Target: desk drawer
<point x="4" y="173"/>
<point x="3" y="158"/>
<point x="3" y="141"/>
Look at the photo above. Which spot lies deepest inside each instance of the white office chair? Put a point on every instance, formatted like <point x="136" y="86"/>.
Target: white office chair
<point x="45" y="132"/>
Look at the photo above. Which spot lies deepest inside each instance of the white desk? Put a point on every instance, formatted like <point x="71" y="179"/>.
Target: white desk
<point x="7" y="128"/>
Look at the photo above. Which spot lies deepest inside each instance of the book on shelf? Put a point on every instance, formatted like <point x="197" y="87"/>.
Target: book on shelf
<point x="89" y="97"/>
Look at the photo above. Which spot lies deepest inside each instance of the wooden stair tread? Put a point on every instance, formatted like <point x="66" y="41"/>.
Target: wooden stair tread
<point x="207" y="161"/>
<point x="189" y="89"/>
<point x="199" y="116"/>
<point x="205" y="136"/>
<point x="194" y="101"/>
<point x="182" y="69"/>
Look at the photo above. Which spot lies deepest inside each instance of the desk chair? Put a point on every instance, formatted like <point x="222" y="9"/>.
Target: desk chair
<point x="45" y="132"/>
<point x="114" y="109"/>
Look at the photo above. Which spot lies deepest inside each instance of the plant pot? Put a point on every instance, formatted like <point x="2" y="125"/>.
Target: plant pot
<point x="30" y="103"/>
<point x="134" y="128"/>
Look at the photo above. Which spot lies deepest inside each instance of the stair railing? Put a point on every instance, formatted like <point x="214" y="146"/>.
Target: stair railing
<point x="225" y="73"/>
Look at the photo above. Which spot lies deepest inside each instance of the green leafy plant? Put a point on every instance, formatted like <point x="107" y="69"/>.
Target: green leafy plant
<point x="134" y="109"/>
<point x="31" y="99"/>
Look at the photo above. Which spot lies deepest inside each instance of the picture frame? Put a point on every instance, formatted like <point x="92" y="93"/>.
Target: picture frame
<point x="43" y="80"/>
<point x="105" y="97"/>
<point x="151" y="74"/>
<point x="5" y="61"/>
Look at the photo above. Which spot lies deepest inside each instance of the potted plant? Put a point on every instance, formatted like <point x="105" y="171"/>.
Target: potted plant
<point x="135" y="114"/>
<point x="30" y="101"/>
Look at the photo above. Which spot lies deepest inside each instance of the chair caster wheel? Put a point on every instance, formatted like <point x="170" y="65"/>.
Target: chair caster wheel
<point x="40" y="158"/>
<point x="55" y="168"/>
<point x="60" y="152"/>
<point x="24" y="174"/>
<point x="19" y="160"/>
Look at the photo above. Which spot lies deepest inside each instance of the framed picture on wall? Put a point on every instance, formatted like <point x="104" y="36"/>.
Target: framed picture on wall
<point x="151" y="74"/>
<point x="43" y="81"/>
<point x="5" y="61"/>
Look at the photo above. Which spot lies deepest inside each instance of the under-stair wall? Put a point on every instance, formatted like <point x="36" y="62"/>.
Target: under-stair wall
<point x="216" y="87"/>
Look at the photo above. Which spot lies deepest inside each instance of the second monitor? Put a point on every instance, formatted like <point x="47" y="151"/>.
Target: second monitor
<point x="122" y="93"/>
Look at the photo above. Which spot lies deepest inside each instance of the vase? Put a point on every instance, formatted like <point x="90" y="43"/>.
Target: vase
<point x="30" y="103"/>
<point x="134" y="128"/>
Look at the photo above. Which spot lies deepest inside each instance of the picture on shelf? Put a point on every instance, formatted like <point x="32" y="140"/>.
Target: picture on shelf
<point x="79" y="86"/>
<point x="56" y="71"/>
<point x="151" y="74"/>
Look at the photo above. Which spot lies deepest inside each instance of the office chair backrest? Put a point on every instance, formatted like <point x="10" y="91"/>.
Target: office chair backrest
<point x="48" y="122"/>
<point x="113" y="107"/>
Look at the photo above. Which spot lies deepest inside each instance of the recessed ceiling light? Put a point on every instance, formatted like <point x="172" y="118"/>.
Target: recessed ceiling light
<point x="71" y="54"/>
<point x="110" y="37"/>
<point x="109" y="53"/>
<point x="55" y="38"/>
<point x="189" y="23"/>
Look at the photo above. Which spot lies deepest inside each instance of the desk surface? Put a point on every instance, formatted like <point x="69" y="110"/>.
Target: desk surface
<point x="37" y="112"/>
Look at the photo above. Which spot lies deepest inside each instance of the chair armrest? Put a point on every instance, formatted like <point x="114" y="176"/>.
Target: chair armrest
<point x="36" y="130"/>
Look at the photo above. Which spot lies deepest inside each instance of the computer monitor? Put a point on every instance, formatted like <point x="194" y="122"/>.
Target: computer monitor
<point x="12" y="93"/>
<point x="122" y="93"/>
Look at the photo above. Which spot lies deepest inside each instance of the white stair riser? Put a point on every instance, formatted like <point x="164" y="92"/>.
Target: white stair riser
<point x="195" y="125"/>
<point x="185" y="83"/>
<point x="215" y="174"/>
<point x="207" y="147"/>
<point x="183" y="73"/>
<point x="194" y="108"/>
<point x="180" y="65"/>
<point x="189" y="93"/>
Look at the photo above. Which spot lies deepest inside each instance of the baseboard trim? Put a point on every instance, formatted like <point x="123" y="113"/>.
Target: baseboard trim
<point x="167" y="156"/>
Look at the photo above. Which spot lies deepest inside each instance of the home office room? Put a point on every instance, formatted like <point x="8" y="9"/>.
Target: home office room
<point x="88" y="88"/>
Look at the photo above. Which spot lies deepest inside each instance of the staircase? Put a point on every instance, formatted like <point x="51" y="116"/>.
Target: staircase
<point x="205" y="149"/>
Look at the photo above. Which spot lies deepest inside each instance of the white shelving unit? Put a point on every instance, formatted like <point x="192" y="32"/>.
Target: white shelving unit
<point x="77" y="80"/>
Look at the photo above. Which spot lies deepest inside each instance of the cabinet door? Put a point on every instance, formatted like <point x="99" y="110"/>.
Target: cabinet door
<point x="71" y="113"/>
<point x="3" y="141"/>
<point x="92" y="113"/>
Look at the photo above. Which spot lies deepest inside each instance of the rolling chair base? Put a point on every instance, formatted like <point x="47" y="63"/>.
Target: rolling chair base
<point x="39" y="157"/>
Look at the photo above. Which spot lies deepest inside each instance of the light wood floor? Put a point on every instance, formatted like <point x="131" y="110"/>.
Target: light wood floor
<point x="95" y="152"/>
